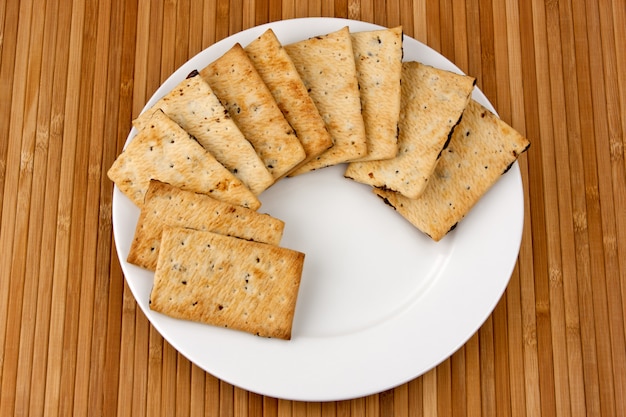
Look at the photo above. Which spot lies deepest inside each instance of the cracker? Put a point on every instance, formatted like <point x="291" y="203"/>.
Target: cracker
<point x="433" y="101"/>
<point x="378" y="58"/>
<point x="481" y="149"/>
<point x="250" y="103"/>
<point x="280" y="75"/>
<point x="165" y="152"/>
<point x="227" y="282"/>
<point x="166" y="205"/>
<point x="193" y="105"/>
<point x="326" y="65"/>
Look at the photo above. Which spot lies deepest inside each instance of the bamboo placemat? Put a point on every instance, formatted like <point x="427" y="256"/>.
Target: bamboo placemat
<point x="72" y="76"/>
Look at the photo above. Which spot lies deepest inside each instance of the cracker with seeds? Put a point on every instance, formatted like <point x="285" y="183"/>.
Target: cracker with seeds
<point x="433" y="101"/>
<point x="280" y="75"/>
<point x="166" y="205"/>
<point x="250" y="103"/>
<point x="193" y="105"/>
<point x="481" y="149"/>
<point x="228" y="282"/>
<point x="165" y="152"/>
<point x="378" y="59"/>
<point x="326" y="65"/>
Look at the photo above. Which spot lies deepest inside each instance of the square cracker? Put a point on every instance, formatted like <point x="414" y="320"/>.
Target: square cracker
<point x="481" y="149"/>
<point x="165" y="152"/>
<point x="280" y="75"/>
<point x="193" y="105"/>
<point x="250" y="103"/>
<point x="378" y="58"/>
<point x="433" y="101"/>
<point x="227" y="282"/>
<point x="166" y="205"/>
<point x="326" y="65"/>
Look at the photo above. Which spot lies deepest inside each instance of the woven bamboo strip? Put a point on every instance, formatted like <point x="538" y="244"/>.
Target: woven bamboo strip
<point x="92" y="213"/>
<point x="565" y="276"/>
<point x="313" y="8"/>
<point x="127" y="343"/>
<point x="183" y="386"/>
<point x="56" y="83"/>
<point x="433" y="33"/>
<point x="33" y="170"/>
<point x="211" y="395"/>
<point x="596" y="359"/>
<point x="181" y="37"/>
<point x="459" y="22"/>
<point x="446" y="16"/>
<point x="363" y="10"/>
<point x="19" y="336"/>
<point x="445" y="406"/>
<point x="487" y="371"/>
<point x="261" y="11"/>
<point x="501" y="360"/>
<point x="54" y="385"/>
<point x="209" y="11"/>
<point x="611" y="164"/>
<point x="196" y="391"/>
<point x="617" y="125"/>
<point x="240" y="400"/>
<point x="11" y="224"/>
<point x="501" y="314"/>
<point x="554" y="281"/>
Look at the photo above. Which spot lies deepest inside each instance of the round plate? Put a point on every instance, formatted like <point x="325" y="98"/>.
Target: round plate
<point x="379" y="302"/>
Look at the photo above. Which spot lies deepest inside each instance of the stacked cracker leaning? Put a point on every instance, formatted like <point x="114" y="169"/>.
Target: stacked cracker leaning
<point x="428" y="182"/>
<point x="481" y="149"/>
<point x="166" y="205"/>
<point x="333" y="85"/>
<point x="378" y="60"/>
<point x="240" y="88"/>
<point x="205" y="151"/>
<point x="164" y="151"/>
<point x="194" y="168"/>
<point x="279" y="73"/>
<point x="433" y="101"/>
<point x="193" y="105"/>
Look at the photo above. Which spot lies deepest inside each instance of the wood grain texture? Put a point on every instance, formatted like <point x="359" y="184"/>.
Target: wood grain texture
<point x="72" y="77"/>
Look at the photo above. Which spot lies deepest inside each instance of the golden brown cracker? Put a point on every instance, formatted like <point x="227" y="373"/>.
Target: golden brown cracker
<point x="165" y="152"/>
<point x="481" y="149"/>
<point x="227" y="282"/>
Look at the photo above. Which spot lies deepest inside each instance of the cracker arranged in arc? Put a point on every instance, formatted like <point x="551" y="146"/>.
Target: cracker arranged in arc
<point x="250" y="103"/>
<point x="481" y="149"/>
<point x="225" y="134"/>
<point x="165" y="152"/>
<point x="166" y="205"/>
<point x="280" y="75"/>
<point x="433" y="101"/>
<point x="326" y="65"/>
<point x="378" y="59"/>
<point x="227" y="282"/>
<point x="193" y="105"/>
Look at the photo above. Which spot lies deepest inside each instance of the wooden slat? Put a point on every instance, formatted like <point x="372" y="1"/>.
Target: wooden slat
<point x="568" y="370"/>
<point x="87" y="307"/>
<point x="12" y="287"/>
<point x="72" y="340"/>
<point x="610" y="163"/>
<point x="118" y="306"/>
<point x="18" y="338"/>
<point x="594" y="357"/>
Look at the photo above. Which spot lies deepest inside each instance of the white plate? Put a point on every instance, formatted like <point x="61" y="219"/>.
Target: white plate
<point x="379" y="303"/>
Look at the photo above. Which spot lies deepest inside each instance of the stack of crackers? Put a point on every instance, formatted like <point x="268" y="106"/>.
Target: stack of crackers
<point x="206" y="150"/>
